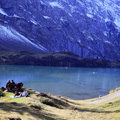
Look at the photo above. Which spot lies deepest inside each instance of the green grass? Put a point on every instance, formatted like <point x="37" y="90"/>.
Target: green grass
<point x="115" y="104"/>
<point x="39" y="105"/>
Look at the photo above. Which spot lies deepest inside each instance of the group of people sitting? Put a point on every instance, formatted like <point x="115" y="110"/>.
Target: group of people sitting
<point x="12" y="85"/>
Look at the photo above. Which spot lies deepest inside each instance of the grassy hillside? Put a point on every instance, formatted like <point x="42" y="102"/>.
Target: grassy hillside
<point x="43" y="106"/>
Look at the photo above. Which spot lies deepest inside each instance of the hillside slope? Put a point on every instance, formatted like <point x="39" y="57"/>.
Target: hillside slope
<point x="43" y="106"/>
<point x="66" y="59"/>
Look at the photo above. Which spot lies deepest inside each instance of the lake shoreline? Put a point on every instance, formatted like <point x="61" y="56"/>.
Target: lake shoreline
<point x="75" y="83"/>
<point x="100" y="96"/>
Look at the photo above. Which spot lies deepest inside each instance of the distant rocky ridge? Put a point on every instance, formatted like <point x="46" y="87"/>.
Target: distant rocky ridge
<point x="64" y="59"/>
<point x="88" y="28"/>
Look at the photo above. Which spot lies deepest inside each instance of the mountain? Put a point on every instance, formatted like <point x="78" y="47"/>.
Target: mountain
<point x="88" y="28"/>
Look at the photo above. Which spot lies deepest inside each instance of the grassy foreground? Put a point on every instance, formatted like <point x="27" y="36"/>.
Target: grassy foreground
<point x="42" y="106"/>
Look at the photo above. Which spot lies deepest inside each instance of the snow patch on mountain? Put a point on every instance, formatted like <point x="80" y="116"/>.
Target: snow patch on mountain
<point x="108" y="42"/>
<point x="56" y="4"/>
<point x="89" y="15"/>
<point x="46" y="17"/>
<point x="16" y="16"/>
<point x="3" y="12"/>
<point x="73" y="8"/>
<point x="117" y="22"/>
<point x="11" y="34"/>
<point x="34" y="21"/>
<point x="107" y="19"/>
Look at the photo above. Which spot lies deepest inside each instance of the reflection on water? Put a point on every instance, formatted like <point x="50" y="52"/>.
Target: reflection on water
<point x="76" y="83"/>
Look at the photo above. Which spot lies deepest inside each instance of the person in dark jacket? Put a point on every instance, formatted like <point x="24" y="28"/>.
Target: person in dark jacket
<point x="13" y="84"/>
<point x="8" y="85"/>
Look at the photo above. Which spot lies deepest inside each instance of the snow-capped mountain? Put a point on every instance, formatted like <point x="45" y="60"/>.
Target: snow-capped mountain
<point x="89" y="28"/>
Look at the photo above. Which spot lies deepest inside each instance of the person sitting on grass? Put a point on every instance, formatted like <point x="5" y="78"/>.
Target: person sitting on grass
<point x="8" y="85"/>
<point x="19" y="86"/>
<point x="13" y="84"/>
<point x="21" y="94"/>
<point x="16" y="93"/>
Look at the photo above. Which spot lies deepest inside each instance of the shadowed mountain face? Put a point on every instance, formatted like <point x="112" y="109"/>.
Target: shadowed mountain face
<point x="88" y="28"/>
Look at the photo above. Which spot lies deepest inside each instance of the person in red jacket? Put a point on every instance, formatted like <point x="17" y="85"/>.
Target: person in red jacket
<point x="19" y="85"/>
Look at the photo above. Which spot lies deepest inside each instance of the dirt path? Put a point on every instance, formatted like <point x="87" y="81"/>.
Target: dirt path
<point x="111" y="96"/>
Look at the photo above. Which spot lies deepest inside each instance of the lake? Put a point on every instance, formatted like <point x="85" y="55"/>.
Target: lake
<point x="75" y="83"/>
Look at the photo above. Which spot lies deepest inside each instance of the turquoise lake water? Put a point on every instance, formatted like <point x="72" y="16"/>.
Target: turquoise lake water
<point x="75" y="83"/>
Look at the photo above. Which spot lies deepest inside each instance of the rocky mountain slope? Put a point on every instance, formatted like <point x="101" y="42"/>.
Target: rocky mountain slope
<point x="88" y="28"/>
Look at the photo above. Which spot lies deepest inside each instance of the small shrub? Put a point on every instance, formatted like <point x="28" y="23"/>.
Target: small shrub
<point x="15" y="119"/>
<point x="49" y="102"/>
<point x="117" y="89"/>
<point x="36" y="107"/>
<point x="111" y="91"/>
<point x="2" y="94"/>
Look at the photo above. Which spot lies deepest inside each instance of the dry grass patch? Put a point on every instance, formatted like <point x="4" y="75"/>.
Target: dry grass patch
<point x="42" y="106"/>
